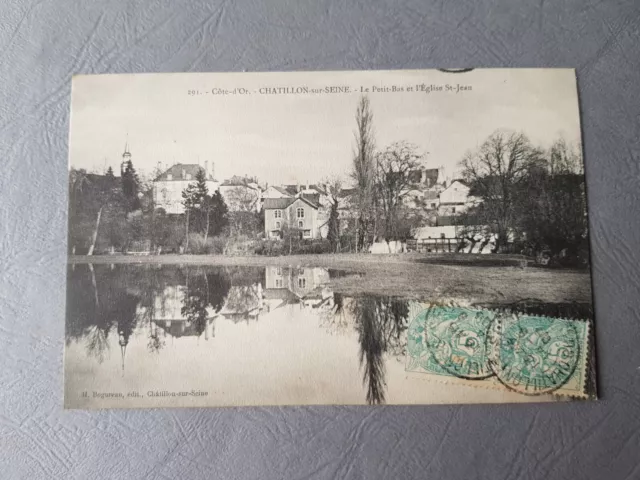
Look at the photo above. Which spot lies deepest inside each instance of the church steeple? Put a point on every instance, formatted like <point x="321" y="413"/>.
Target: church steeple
<point x="126" y="156"/>
<point x="123" y="348"/>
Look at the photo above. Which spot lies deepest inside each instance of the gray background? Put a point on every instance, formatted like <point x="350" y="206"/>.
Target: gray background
<point x="43" y="43"/>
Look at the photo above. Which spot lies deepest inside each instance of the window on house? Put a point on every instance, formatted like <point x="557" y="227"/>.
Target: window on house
<point x="279" y="271"/>
<point x="169" y="176"/>
<point x="453" y="209"/>
<point x="278" y="283"/>
<point x="442" y="235"/>
<point x="277" y="213"/>
<point x="307" y="233"/>
<point x="300" y="224"/>
<point x="278" y="225"/>
<point x="165" y="195"/>
<point x="300" y="213"/>
<point x="433" y="205"/>
<point x="302" y="283"/>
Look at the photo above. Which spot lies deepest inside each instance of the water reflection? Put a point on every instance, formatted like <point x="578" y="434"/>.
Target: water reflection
<point x="274" y="320"/>
<point x="381" y="324"/>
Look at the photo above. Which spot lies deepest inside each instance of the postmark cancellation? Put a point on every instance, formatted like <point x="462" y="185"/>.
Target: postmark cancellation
<point x="528" y="354"/>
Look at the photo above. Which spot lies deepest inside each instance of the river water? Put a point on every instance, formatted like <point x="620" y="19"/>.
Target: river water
<point x="159" y="335"/>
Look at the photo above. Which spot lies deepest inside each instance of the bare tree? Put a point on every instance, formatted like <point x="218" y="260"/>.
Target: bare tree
<point x="242" y="202"/>
<point x="565" y="157"/>
<point x="333" y="188"/>
<point x="363" y="169"/>
<point x="395" y="166"/>
<point x="495" y="172"/>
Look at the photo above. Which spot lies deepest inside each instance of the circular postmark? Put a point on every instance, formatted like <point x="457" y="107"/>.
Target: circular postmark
<point x="532" y="355"/>
<point x="456" y="340"/>
<point x="416" y="340"/>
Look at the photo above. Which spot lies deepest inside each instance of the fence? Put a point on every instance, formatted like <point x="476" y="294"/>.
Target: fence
<point x="139" y="247"/>
<point x="433" y="245"/>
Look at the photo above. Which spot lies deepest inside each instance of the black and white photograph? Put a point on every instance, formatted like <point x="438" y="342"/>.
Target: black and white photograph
<point x="313" y="238"/>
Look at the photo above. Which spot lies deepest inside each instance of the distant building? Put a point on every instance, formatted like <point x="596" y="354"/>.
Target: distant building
<point x="244" y="303"/>
<point x="427" y="178"/>
<point x="168" y="314"/>
<point x="274" y="191"/>
<point x="169" y="185"/>
<point x="304" y="286"/>
<point x="455" y="199"/>
<point x="241" y="196"/>
<point x="297" y="213"/>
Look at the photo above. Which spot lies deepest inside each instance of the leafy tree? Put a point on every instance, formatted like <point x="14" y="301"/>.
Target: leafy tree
<point x="191" y="202"/>
<point x="110" y="176"/>
<point x="218" y="214"/>
<point x="131" y="186"/>
<point x="199" y="217"/>
<point x="553" y="214"/>
<point x="91" y="198"/>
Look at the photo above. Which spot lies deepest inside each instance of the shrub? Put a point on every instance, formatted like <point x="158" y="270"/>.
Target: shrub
<point x="196" y="244"/>
<point x="274" y="248"/>
<point x="270" y="248"/>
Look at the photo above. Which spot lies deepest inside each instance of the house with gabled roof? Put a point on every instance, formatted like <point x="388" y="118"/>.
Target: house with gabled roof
<point x="241" y="195"/>
<point x="276" y="191"/>
<point x="304" y="286"/>
<point x="168" y="186"/>
<point x="300" y="213"/>
<point x="455" y="199"/>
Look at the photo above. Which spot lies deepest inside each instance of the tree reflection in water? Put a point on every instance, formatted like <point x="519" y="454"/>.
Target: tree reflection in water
<point x="204" y="290"/>
<point x="381" y="324"/>
<point x="160" y="301"/>
<point x="125" y="298"/>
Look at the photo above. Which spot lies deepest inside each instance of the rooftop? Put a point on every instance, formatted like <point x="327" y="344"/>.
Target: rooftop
<point x="282" y="203"/>
<point x="181" y="171"/>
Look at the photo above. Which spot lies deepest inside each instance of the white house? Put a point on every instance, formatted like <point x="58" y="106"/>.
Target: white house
<point x="299" y="213"/>
<point x="241" y="197"/>
<point x="455" y="199"/>
<point x="168" y="186"/>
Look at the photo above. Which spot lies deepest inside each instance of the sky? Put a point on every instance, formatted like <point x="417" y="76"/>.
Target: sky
<point x="287" y="138"/>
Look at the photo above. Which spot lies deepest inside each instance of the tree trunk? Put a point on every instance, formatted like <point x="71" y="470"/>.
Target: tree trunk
<point x="357" y="231"/>
<point x="95" y="233"/>
<point x="206" y="232"/>
<point x="186" y="231"/>
<point x="95" y="285"/>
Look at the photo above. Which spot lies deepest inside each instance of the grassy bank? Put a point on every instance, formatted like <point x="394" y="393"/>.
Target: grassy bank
<point x="476" y="278"/>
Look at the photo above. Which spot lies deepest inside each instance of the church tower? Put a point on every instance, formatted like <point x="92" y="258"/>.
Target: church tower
<point x="126" y="157"/>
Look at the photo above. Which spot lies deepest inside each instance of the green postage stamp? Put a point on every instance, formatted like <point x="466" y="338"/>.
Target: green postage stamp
<point x="528" y="354"/>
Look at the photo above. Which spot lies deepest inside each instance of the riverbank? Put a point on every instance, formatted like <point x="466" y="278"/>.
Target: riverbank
<point x="476" y="278"/>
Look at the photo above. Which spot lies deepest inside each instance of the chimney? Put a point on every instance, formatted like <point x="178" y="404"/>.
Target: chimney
<point x="212" y="171"/>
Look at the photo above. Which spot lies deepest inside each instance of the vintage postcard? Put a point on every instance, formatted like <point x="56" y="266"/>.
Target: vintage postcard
<point x="398" y="237"/>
